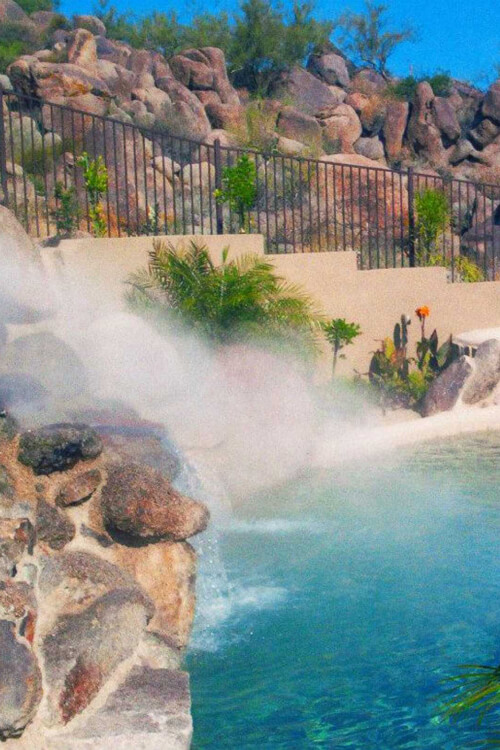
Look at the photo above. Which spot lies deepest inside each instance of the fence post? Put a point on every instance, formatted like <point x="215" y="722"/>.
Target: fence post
<point x="219" y="217"/>
<point x="411" y="218"/>
<point x="3" y="155"/>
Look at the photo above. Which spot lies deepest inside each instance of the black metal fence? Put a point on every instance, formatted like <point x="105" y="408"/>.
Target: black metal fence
<point x="160" y="184"/>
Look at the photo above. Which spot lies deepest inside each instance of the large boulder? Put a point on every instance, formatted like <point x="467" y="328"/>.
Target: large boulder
<point x="20" y="683"/>
<point x="445" y="391"/>
<point x="341" y="129"/>
<point x="48" y="81"/>
<point x="82" y="49"/>
<point x="294" y="124"/>
<point x="185" y="116"/>
<point x="423" y="134"/>
<point x="445" y="118"/>
<point x="331" y="68"/>
<point x="372" y="148"/>
<point x="484" y="133"/>
<point x="58" y="447"/>
<point x="486" y="375"/>
<point x="90" y="23"/>
<point x="307" y="92"/>
<point x="491" y="103"/>
<point x="394" y="128"/>
<point x="140" y="503"/>
<point x="11" y="12"/>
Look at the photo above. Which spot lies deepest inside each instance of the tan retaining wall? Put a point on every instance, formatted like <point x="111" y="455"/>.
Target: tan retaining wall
<point x="374" y="299"/>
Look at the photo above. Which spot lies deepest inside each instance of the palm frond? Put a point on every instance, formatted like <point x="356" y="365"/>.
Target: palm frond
<point x="475" y="688"/>
<point x="240" y="299"/>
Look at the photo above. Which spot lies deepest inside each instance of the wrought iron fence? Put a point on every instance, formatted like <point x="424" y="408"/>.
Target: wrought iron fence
<point x="161" y="184"/>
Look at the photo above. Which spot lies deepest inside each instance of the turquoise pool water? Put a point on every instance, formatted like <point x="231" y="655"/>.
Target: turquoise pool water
<point x="351" y="595"/>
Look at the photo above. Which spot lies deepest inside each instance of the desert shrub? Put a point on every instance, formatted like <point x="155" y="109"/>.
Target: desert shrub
<point x="441" y="83"/>
<point x="258" y="130"/>
<point x="66" y="214"/>
<point x="32" y="6"/>
<point x="238" y="300"/>
<point x="266" y="42"/>
<point x="405" y="88"/>
<point x="95" y="177"/>
<point x="433" y="218"/>
<point x="16" y="40"/>
<point x="467" y="270"/>
<point x="365" y="37"/>
<point x="402" y="380"/>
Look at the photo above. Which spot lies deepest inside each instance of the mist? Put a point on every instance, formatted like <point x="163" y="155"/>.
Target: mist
<point x="244" y="417"/>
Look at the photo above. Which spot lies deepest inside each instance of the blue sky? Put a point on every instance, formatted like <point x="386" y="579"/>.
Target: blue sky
<point x="458" y="36"/>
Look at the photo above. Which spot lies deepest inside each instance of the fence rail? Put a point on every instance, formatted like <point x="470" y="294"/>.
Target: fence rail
<point x="162" y="184"/>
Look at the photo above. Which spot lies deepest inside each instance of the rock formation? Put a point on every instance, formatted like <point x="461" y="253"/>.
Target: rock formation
<point x="156" y="180"/>
<point x="97" y="574"/>
<point x="468" y="381"/>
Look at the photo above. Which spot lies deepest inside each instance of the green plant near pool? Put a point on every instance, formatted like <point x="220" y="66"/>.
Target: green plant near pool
<point x="339" y="333"/>
<point x="237" y="300"/>
<point x="402" y="380"/>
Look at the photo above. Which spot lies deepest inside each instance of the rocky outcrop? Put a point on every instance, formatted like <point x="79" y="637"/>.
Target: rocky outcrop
<point x="90" y="619"/>
<point x="469" y="381"/>
<point x="486" y="375"/>
<point x="330" y="106"/>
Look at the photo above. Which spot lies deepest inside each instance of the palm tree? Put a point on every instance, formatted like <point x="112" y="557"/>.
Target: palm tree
<point x="239" y="300"/>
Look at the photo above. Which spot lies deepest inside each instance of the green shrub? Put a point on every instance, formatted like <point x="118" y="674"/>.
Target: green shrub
<point x="441" y="83"/>
<point x="32" y="6"/>
<point x="239" y="188"/>
<point x="405" y="89"/>
<point x="95" y="176"/>
<point x="467" y="270"/>
<point x="16" y="40"/>
<point x="66" y="214"/>
<point x="433" y="218"/>
<point x="238" y="300"/>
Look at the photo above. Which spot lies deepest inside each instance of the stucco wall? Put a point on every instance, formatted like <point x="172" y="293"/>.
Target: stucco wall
<point x="374" y="299"/>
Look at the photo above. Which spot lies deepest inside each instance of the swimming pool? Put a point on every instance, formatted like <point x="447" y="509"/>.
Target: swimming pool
<point x="351" y="594"/>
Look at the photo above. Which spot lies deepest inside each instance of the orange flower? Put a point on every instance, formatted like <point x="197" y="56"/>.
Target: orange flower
<point x="423" y="312"/>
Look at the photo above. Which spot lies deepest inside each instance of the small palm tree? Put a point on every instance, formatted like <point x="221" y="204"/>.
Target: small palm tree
<point x="238" y="300"/>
